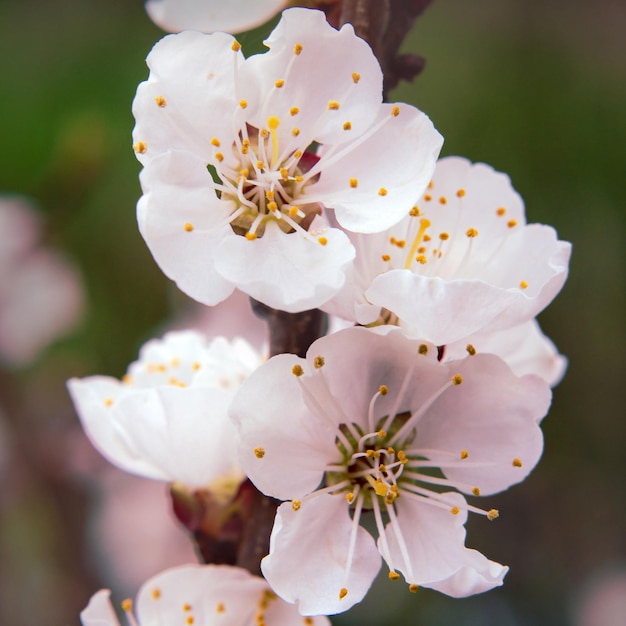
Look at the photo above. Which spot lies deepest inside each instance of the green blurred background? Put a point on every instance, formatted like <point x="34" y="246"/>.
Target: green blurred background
<point x="536" y="89"/>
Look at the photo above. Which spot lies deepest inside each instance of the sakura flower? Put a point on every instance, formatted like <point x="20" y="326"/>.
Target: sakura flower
<point x="462" y="261"/>
<point x="199" y="594"/>
<point x="234" y="195"/>
<point x="209" y="16"/>
<point x="373" y="422"/>
<point x="167" y="418"/>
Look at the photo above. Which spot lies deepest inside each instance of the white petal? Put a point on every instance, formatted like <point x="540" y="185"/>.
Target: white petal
<point x="286" y="271"/>
<point x="308" y="553"/>
<point x="289" y="461"/>
<point x="99" y="611"/>
<point x="208" y="16"/>
<point x="392" y="167"/>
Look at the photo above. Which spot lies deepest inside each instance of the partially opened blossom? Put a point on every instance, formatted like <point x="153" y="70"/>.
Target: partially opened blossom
<point x="202" y="595"/>
<point x="41" y="296"/>
<point x="209" y="16"/>
<point x="234" y="195"/>
<point x="372" y="423"/>
<point x="462" y="261"/>
<point x="167" y="418"/>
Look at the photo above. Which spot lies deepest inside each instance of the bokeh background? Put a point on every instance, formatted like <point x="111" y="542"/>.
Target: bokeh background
<point x="537" y="89"/>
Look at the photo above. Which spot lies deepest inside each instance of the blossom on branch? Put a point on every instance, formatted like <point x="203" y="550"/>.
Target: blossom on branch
<point x="199" y="594"/>
<point x="167" y="418"/>
<point x="372" y="422"/>
<point x="209" y="16"/>
<point x="462" y="261"/>
<point x="243" y="157"/>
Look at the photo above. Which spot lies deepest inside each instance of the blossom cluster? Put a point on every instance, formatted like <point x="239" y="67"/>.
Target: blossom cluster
<point x="285" y="176"/>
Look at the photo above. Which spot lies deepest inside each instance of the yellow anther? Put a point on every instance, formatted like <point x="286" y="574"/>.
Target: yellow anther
<point x="284" y="173"/>
<point x="245" y="143"/>
<point x="402" y="456"/>
<point x="298" y="179"/>
<point x="297" y="370"/>
<point x="517" y="462"/>
<point x="343" y="592"/>
<point x="493" y="514"/>
<point x="413" y="588"/>
<point x="421" y="249"/>
<point x="444" y="236"/>
<point x="127" y="605"/>
<point x="294" y="111"/>
<point x="186" y="607"/>
<point x="464" y="454"/>
<point x="457" y="379"/>
<point x="219" y="156"/>
<point x="297" y="154"/>
<point x="127" y="379"/>
<point x="236" y="46"/>
<point x="245" y="149"/>
<point x="427" y="197"/>
<point x="523" y="284"/>
<point x="108" y="402"/>
<point x="216" y="142"/>
<point x="322" y="240"/>
<point x="347" y="125"/>
<point x="427" y="237"/>
<point x="501" y="211"/>
<point x="297" y="49"/>
<point x="307" y="621"/>
<point x="394" y="575"/>
<point x="350" y="497"/>
<point x="421" y="258"/>
<point x="381" y="434"/>
<point x="273" y="122"/>
<point x="431" y="184"/>
<point x="296" y="504"/>
<point x="259" y="452"/>
<point x="354" y="182"/>
<point x="423" y="349"/>
<point x="460" y="193"/>
<point x="161" y="102"/>
<point x="385" y="257"/>
<point x="455" y="510"/>
<point x="269" y="195"/>
<point x="356" y="77"/>
<point x="279" y="83"/>
<point x="161" y="367"/>
<point x="399" y="242"/>
<point x="243" y="103"/>
<point x="395" y="490"/>
<point x="140" y="147"/>
<point x="295" y="131"/>
<point x="382" y="191"/>
<point x="260" y="165"/>
<point x="155" y="593"/>
<point x="476" y="491"/>
<point x="383" y="390"/>
<point x="190" y="620"/>
<point x="220" y="608"/>
<point x="395" y="111"/>
<point x="415" y="212"/>
<point x="272" y="206"/>
<point x="443" y="200"/>
<point x="250" y="236"/>
<point x="264" y="133"/>
<point x="318" y="362"/>
<point x="380" y="487"/>
<point x="470" y="349"/>
<point x="512" y="223"/>
<point x="196" y="366"/>
<point x="333" y="105"/>
<point x="369" y="454"/>
<point x="471" y="232"/>
<point x="293" y="212"/>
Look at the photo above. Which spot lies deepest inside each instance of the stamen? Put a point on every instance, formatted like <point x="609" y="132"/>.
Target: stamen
<point x="424" y="225"/>
<point x="273" y="123"/>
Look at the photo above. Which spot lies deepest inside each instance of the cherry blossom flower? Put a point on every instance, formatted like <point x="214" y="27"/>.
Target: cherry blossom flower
<point x="41" y="295"/>
<point x="462" y="261"/>
<point x="167" y="418"/>
<point x="234" y="195"/>
<point x="372" y="421"/>
<point x="199" y="594"/>
<point x="208" y="16"/>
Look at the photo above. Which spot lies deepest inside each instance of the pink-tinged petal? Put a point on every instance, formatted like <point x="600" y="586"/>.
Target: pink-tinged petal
<point x="183" y="432"/>
<point x="209" y="16"/>
<point x="207" y="593"/>
<point x="342" y="68"/>
<point x="99" y="611"/>
<point x="183" y="223"/>
<point x="286" y="271"/>
<point x="289" y="461"/>
<point x="96" y="400"/>
<point x="525" y="349"/>
<point x="404" y="149"/>
<point x="280" y="613"/>
<point x="494" y="416"/>
<point x="308" y="556"/>
<point x="20" y="227"/>
<point x="189" y="94"/>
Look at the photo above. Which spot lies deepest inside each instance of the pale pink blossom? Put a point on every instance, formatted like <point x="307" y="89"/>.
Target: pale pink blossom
<point x="462" y="261"/>
<point x="202" y="595"/>
<point x="209" y="16"/>
<point x="372" y="421"/>
<point x="233" y="195"/>
<point x="167" y="418"/>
